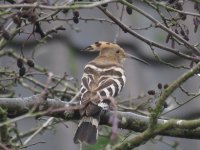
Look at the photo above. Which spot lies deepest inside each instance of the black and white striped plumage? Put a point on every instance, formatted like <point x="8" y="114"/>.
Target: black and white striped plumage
<point x="102" y="81"/>
<point x="103" y="77"/>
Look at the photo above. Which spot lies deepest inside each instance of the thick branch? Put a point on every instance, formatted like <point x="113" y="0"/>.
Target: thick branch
<point x="154" y="127"/>
<point x="127" y="120"/>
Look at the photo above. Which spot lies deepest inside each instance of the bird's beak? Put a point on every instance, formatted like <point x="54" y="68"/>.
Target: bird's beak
<point x="136" y="58"/>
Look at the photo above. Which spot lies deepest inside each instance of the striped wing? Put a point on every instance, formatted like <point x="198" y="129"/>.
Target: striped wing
<point x="101" y="82"/>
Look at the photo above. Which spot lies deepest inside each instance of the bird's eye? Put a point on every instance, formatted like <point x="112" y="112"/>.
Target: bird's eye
<point x="117" y="51"/>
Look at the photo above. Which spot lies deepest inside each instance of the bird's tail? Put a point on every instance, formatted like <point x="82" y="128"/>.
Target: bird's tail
<point x="87" y="130"/>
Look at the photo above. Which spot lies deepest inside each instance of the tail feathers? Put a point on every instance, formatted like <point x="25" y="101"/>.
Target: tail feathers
<point x="87" y="131"/>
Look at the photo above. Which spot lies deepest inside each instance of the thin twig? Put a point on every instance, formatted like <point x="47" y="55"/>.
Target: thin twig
<point x="118" y="32"/>
<point x="44" y="125"/>
<point x="182" y="104"/>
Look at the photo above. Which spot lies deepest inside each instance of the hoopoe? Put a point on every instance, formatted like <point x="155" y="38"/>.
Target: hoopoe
<point x="103" y="77"/>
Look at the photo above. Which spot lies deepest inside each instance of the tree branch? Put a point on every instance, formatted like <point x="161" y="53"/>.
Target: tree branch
<point x="159" y="25"/>
<point x="125" y="28"/>
<point x="167" y="7"/>
<point x="127" y="120"/>
<point x="57" y="7"/>
<point x="154" y="128"/>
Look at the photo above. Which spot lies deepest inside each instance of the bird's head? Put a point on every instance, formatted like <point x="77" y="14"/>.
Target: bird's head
<point x="111" y="50"/>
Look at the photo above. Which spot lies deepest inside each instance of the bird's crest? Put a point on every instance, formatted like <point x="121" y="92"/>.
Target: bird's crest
<point x="98" y="46"/>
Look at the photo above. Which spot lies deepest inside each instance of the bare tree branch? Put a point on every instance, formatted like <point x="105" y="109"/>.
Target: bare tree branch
<point x="125" y="28"/>
<point x="59" y="7"/>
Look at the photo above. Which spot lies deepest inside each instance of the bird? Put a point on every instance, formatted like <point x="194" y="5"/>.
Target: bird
<point x="103" y="77"/>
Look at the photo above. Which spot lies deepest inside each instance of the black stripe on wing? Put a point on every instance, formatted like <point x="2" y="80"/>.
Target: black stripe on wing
<point x="85" y="82"/>
<point x="122" y="82"/>
<point x="110" y="90"/>
<point x="107" y="84"/>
